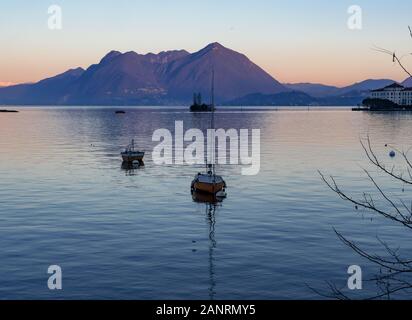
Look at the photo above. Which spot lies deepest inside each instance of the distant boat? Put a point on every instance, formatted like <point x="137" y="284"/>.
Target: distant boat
<point x="9" y="111"/>
<point x="199" y="106"/>
<point x="209" y="182"/>
<point x="131" y="155"/>
<point x="120" y="112"/>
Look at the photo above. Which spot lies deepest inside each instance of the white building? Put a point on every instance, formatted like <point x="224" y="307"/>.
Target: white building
<point x="395" y="93"/>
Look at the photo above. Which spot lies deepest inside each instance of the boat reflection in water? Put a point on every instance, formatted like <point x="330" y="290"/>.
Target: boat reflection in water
<point x="131" y="168"/>
<point x="206" y="198"/>
<point x="211" y="203"/>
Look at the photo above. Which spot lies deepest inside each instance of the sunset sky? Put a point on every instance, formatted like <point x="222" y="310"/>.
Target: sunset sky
<point x="295" y="40"/>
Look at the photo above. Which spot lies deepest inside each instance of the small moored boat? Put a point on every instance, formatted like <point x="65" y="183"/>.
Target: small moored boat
<point x="210" y="182"/>
<point x="199" y="106"/>
<point x="131" y="155"/>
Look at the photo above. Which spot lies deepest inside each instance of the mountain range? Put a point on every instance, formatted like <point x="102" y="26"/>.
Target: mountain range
<point x="312" y="94"/>
<point x="166" y="78"/>
<point x="171" y="78"/>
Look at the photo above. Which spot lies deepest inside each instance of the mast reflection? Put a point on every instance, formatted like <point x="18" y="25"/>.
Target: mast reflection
<point x="211" y="204"/>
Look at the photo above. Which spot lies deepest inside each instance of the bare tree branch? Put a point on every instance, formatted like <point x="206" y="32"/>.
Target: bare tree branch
<point x="366" y="204"/>
<point x="395" y="272"/>
<point x="375" y="161"/>
<point x="395" y="58"/>
<point x="395" y="275"/>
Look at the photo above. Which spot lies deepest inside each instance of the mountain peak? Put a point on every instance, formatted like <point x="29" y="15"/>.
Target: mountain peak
<point x="214" y="46"/>
<point x="112" y="54"/>
<point x="215" y="49"/>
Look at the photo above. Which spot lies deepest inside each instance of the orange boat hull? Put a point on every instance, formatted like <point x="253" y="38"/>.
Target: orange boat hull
<point x="212" y="188"/>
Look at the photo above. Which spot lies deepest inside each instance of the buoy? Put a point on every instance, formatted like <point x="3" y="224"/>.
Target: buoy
<point x="392" y="154"/>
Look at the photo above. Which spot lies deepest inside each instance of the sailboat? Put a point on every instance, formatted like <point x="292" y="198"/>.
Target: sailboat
<point x="131" y="155"/>
<point x="209" y="182"/>
<point x="199" y="106"/>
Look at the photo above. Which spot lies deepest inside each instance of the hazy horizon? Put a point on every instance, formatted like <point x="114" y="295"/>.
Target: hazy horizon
<point x="312" y="44"/>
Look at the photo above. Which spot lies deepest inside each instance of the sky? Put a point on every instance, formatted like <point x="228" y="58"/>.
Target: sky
<point x="293" y="40"/>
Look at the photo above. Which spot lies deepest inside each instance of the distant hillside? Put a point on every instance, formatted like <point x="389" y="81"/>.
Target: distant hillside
<point x="294" y="98"/>
<point x="320" y="90"/>
<point x="365" y="86"/>
<point x="166" y="78"/>
<point x="47" y="91"/>
<point x="313" y="89"/>
<point x="346" y="96"/>
<point x="407" y="83"/>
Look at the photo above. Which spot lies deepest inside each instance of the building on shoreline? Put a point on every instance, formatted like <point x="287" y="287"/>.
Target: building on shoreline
<point x="395" y="93"/>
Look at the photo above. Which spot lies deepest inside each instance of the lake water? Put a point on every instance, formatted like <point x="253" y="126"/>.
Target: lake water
<point x="138" y="234"/>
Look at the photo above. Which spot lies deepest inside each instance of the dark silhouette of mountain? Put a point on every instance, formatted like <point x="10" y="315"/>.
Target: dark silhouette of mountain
<point x="171" y="78"/>
<point x="128" y="78"/>
<point x="359" y="88"/>
<point x="47" y="91"/>
<point x="235" y="75"/>
<point x="354" y="94"/>
<point x="407" y="83"/>
<point x="134" y="79"/>
<point x="314" y="89"/>
<point x="296" y="98"/>
<point x="366" y="85"/>
<point x="347" y="96"/>
<point x="293" y="98"/>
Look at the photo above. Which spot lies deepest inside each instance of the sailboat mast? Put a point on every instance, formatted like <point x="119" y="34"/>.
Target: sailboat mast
<point x="213" y="87"/>
<point x="213" y="121"/>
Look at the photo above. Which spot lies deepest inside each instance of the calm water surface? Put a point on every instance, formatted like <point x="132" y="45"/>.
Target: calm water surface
<point x="119" y="234"/>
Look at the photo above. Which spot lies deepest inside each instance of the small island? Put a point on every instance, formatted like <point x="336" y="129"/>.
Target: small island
<point x="394" y="97"/>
